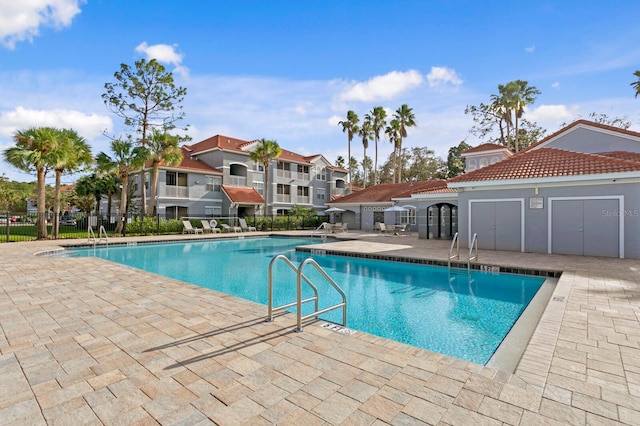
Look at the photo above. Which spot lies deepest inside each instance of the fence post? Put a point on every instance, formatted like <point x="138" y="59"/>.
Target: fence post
<point x="7" y="230"/>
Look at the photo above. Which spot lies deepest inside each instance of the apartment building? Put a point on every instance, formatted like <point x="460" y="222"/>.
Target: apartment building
<point x="218" y="178"/>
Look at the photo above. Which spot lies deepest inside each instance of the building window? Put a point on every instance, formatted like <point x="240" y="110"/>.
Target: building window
<point x="283" y="189"/>
<point x="176" y="179"/>
<point x="321" y="173"/>
<point x="495" y="159"/>
<point x="471" y="164"/>
<point x="320" y="194"/>
<point x="259" y="186"/>
<point x="211" y="211"/>
<point x="303" y="191"/>
<point x="484" y="162"/>
<point x="258" y="167"/>
<point x="214" y="183"/>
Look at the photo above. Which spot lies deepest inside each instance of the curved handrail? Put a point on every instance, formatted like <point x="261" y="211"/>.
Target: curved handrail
<point x="472" y="247"/>
<point x="454" y="243"/>
<point x="271" y="309"/>
<point x="343" y="305"/>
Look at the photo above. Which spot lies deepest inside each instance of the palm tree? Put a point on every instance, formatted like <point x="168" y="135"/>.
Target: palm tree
<point x="72" y="154"/>
<point x="126" y="159"/>
<point x="31" y="153"/>
<point x="393" y="133"/>
<point x="377" y="120"/>
<point x="163" y="148"/>
<point x="405" y="117"/>
<point x="365" y="134"/>
<point x="350" y="127"/>
<point x="636" y="84"/>
<point x="515" y="95"/>
<point x="266" y="151"/>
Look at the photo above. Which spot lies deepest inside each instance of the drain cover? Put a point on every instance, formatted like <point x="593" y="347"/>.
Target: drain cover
<point x="558" y="298"/>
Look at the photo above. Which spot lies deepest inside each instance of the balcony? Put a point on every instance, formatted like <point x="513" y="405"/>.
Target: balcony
<point x="286" y="174"/>
<point x="172" y="191"/>
<point x="338" y="192"/>
<point x="237" y="180"/>
<point x="302" y="176"/>
<point x="302" y="199"/>
<point x="283" y="198"/>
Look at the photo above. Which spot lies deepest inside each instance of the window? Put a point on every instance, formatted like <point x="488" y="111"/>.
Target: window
<point x="211" y="211"/>
<point x="320" y="193"/>
<point x="471" y="164"/>
<point x="303" y="191"/>
<point x="213" y="183"/>
<point x="283" y="189"/>
<point x="146" y="181"/>
<point x="258" y="167"/>
<point x="259" y="186"/>
<point x="321" y="173"/>
<point x="495" y="159"/>
<point x="484" y="162"/>
<point x="176" y="179"/>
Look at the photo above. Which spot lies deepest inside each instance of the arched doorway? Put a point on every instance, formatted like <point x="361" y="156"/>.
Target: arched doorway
<point x="442" y="221"/>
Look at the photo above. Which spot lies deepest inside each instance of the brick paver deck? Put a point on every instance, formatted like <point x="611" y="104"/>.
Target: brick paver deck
<point x="85" y="341"/>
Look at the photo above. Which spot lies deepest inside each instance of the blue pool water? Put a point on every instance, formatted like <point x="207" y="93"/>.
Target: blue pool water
<point x="460" y="315"/>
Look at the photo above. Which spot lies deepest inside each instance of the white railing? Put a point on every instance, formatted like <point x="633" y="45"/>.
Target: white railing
<point x="281" y="173"/>
<point x="283" y="198"/>
<point x="176" y="191"/>
<point x="237" y="180"/>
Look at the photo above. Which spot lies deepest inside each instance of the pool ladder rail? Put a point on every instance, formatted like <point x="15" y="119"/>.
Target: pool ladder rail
<point x="299" y="301"/>
<point x="473" y="250"/>
<point x="102" y="235"/>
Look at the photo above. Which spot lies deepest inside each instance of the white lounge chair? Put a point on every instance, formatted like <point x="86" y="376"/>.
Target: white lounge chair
<point x="210" y="226"/>
<point x="384" y="229"/>
<point x="340" y="227"/>
<point x="227" y="228"/>
<point x="245" y="227"/>
<point x="189" y="229"/>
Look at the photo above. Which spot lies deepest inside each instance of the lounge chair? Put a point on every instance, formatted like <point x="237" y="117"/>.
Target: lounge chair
<point x="189" y="229"/>
<point x="404" y="229"/>
<point x="245" y="227"/>
<point x="340" y="227"/>
<point x="227" y="228"/>
<point x="384" y="229"/>
<point x="209" y="226"/>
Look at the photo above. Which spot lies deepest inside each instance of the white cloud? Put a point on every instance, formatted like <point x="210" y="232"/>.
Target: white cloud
<point x="440" y="78"/>
<point x="530" y="49"/>
<point x="88" y="126"/>
<point x="383" y="87"/>
<point x="555" y="85"/>
<point x="21" y="20"/>
<point x="164" y="53"/>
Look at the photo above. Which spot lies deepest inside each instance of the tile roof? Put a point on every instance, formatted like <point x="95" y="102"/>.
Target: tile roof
<point x="242" y="194"/>
<point x="623" y="155"/>
<point x="189" y="163"/>
<point x="219" y="142"/>
<point x="486" y="147"/>
<point x="287" y="155"/>
<point x="438" y="191"/>
<point x="548" y="162"/>
<point x="387" y="191"/>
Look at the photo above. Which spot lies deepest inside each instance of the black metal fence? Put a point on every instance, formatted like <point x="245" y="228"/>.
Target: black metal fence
<point x="17" y="226"/>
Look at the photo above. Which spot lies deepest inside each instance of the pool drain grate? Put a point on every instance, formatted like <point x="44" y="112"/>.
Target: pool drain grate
<point x="338" y="328"/>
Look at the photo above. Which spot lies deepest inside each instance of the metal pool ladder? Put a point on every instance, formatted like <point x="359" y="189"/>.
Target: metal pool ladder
<point x="102" y="235"/>
<point x="473" y="250"/>
<point x="299" y="301"/>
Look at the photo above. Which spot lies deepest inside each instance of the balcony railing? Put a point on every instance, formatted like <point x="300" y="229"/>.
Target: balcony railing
<point x="302" y="176"/>
<point x="237" y="180"/>
<point x="283" y="198"/>
<point x="302" y="199"/>
<point x="281" y="173"/>
<point x="339" y="191"/>
<point x="176" y="191"/>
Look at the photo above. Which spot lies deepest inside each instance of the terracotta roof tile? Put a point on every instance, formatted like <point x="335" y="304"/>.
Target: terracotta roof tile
<point x="623" y="155"/>
<point x="438" y="191"/>
<point x="386" y="191"/>
<point x="220" y="142"/>
<point x="548" y="162"/>
<point x="189" y="163"/>
<point x="242" y="194"/>
<point x="486" y="147"/>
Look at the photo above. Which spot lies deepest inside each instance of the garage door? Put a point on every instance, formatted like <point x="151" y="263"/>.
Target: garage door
<point x="589" y="227"/>
<point x="498" y="224"/>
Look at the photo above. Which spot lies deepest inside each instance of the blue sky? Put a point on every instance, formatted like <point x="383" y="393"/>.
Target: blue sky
<point x="290" y="70"/>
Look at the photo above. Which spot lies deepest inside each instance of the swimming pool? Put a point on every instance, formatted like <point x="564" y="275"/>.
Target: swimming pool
<point x="461" y="315"/>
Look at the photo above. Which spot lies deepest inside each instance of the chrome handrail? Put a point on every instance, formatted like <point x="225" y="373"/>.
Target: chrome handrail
<point x="343" y="305"/>
<point x="299" y="301"/>
<point x="472" y="247"/>
<point x="270" y="308"/>
<point x="455" y="242"/>
<point x="102" y="232"/>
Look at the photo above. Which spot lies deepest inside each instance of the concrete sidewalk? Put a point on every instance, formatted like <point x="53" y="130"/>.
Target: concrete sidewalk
<point x="85" y="341"/>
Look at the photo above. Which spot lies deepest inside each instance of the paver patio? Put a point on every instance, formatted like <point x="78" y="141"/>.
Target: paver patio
<point x="86" y="341"/>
